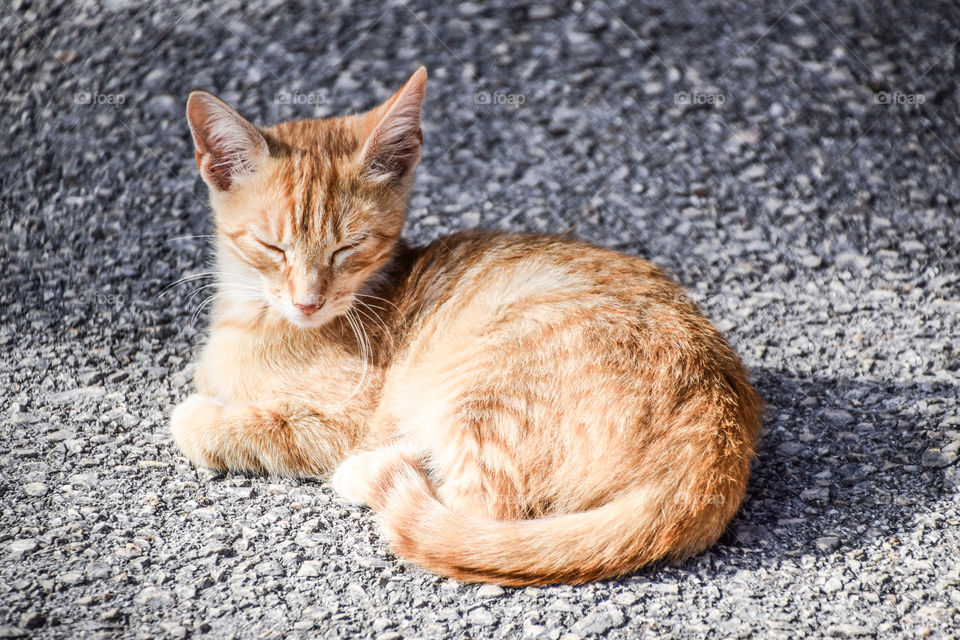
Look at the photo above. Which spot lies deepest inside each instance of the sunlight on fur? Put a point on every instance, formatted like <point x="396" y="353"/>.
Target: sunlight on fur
<point x="517" y="409"/>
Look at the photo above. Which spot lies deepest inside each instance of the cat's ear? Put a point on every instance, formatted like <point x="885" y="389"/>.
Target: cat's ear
<point x="393" y="146"/>
<point x="227" y="145"/>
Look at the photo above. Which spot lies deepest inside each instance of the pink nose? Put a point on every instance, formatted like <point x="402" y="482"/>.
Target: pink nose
<point x="308" y="308"/>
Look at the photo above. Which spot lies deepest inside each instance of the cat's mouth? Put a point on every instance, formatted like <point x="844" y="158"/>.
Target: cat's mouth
<point x="308" y="321"/>
<point x="311" y="318"/>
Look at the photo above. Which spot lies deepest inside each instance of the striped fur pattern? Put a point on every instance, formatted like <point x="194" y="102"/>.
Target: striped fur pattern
<point x="517" y="409"/>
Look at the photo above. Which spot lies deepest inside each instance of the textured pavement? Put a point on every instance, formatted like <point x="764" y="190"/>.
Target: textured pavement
<point x="793" y="163"/>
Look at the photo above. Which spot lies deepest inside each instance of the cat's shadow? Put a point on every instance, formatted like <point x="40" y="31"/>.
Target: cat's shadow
<point x="840" y="465"/>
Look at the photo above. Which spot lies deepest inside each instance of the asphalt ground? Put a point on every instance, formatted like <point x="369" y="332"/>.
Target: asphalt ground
<point x="793" y="164"/>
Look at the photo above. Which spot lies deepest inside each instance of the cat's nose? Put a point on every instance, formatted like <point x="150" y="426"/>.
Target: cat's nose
<point x="308" y="307"/>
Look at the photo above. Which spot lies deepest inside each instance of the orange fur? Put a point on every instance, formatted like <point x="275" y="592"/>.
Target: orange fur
<point x="518" y="409"/>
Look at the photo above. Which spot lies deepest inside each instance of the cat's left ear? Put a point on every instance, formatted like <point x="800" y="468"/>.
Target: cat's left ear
<point x="228" y="146"/>
<point x="392" y="149"/>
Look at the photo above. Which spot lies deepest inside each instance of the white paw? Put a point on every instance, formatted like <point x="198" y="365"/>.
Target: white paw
<point x="352" y="478"/>
<point x="357" y="477"/>
<point x="191" y="424"/>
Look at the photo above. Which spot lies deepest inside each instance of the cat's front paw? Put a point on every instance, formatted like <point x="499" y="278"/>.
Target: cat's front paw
<point x="194" y="424"/>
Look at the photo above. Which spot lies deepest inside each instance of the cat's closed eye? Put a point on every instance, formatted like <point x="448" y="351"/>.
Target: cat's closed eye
<point x="274" y="250"/>
<point x="344" y="251"/>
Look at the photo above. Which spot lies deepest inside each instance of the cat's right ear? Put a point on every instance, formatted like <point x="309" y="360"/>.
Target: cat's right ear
<point x="227" y="145"/>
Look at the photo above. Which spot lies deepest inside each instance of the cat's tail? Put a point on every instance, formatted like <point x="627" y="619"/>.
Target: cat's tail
<point x="638" y="527"/>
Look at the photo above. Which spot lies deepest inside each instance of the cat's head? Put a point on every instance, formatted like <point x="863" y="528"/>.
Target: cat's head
<point x="307" y="212"/>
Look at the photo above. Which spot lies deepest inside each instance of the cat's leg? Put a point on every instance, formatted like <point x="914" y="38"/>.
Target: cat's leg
<point x="362" y="478"/>
<point x="475" y="491"/>
<point x="276" y="436"/>
<point x="479" y="474"/>
<point x="357" y="479"/>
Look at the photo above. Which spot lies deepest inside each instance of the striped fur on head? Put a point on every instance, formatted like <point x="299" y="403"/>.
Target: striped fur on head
<point x="312" y="208"/>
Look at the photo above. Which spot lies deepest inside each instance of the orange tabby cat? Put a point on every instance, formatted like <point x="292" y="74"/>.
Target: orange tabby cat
<point x="518" y="409"/>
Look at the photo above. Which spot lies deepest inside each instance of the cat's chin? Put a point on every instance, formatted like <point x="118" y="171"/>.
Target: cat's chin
<point x="308" y="322"/>
<point x="316" y="321"/>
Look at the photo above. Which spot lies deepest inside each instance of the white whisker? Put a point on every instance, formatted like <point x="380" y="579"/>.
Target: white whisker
<point x="220" y="275"/>
<point x="367" y="295"/>
<point x="196" y="314"/>
<point x="169" y="240"/>
<point x="193" y="294"/>
<point x="179" y="281"/>
<point x="358" y="331"/>
<point x="372" y="315"/>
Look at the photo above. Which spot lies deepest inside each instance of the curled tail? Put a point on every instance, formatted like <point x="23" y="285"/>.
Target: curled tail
<point x="639" y="527"/>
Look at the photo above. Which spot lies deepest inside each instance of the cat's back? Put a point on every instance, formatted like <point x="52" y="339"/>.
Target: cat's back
<point x="475" y="278"/>
<point x="496" y="294"/>
<point x="526" y="264"/>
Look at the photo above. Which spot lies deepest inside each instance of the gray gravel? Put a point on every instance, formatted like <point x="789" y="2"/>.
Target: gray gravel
<point x="793" y="163"/>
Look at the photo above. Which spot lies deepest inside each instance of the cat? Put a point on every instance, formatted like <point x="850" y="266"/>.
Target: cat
<point x="517" y="409"/>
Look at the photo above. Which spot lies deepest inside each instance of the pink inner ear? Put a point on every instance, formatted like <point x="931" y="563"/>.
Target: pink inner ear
<point x="393" y="148"/>
<point x="227" y="144"/>
<point x="222" y="182"/>
<point x="218" y="172"/>
<point x="398" y="157"/>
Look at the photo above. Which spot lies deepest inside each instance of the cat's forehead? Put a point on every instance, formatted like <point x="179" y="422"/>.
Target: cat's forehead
<point x="333" y="138"/>
<point x="317" y="191"/>
<point x="313" y="182"/>
<point x="314" y="196"/>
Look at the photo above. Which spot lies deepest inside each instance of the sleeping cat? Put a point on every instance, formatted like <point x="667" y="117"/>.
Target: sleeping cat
<point x="517" y="409"/>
